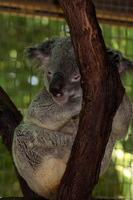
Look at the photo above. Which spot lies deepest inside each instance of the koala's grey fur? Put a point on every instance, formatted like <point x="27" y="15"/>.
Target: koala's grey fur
<point x="42" y="142"/>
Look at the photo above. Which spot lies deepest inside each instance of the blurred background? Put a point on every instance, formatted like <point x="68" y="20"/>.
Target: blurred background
<point x="28" y="22"/>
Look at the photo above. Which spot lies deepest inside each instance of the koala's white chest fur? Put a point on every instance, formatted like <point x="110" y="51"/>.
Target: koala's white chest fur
<point x="46" y="178"/>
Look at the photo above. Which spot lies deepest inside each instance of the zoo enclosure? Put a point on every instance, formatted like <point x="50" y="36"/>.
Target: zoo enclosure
<point x="25" y="23"/>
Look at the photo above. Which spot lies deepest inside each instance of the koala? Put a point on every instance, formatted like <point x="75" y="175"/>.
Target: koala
<point x="42" y="142"/>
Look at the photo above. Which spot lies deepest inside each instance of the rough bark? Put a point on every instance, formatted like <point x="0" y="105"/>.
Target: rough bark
<point x="102" y="94"/>
<point x="10" y="118"/>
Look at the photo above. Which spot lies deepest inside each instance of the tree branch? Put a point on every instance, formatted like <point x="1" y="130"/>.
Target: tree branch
<point x="10" y="118"/>
<point x="102" y="94"/>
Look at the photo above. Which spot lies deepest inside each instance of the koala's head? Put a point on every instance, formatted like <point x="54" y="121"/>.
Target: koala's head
<point x="56" y="59"/>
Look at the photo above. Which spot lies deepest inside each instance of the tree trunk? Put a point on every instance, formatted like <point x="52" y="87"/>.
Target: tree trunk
<point x="102" y="94"/>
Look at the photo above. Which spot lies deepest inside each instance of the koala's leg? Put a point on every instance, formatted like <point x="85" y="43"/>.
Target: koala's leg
<point x="119" y="129"/>
<point x="108" y="153"/>
<point x="122" y="119"/>
<point x="40" y="156"/>
<point x="48" y="177"/>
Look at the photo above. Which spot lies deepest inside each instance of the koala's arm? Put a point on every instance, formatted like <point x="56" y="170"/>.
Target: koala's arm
<point x="44" y="112"/>
<point x="41" y="156"/>
<point x="122" y="118"/>
<point x="120" y="127"/>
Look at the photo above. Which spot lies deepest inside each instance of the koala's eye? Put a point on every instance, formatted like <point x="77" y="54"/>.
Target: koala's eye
<point x="49" y="73"/>
<point x="76" y="78"/>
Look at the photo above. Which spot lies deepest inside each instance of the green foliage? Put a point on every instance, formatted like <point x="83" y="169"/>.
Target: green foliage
<point x="21" y="84"/>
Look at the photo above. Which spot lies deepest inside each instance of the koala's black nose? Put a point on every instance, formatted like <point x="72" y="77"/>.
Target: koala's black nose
<point x="57" y="85"/>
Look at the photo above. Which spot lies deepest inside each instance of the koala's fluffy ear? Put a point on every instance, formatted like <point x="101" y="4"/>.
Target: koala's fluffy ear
<point x="117" y="58"/>
<point x="39" y="54"/>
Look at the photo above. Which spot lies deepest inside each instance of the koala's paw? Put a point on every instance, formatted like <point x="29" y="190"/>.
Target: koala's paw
<point x="114" y="56"/>
<point x="119" y="60"/>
